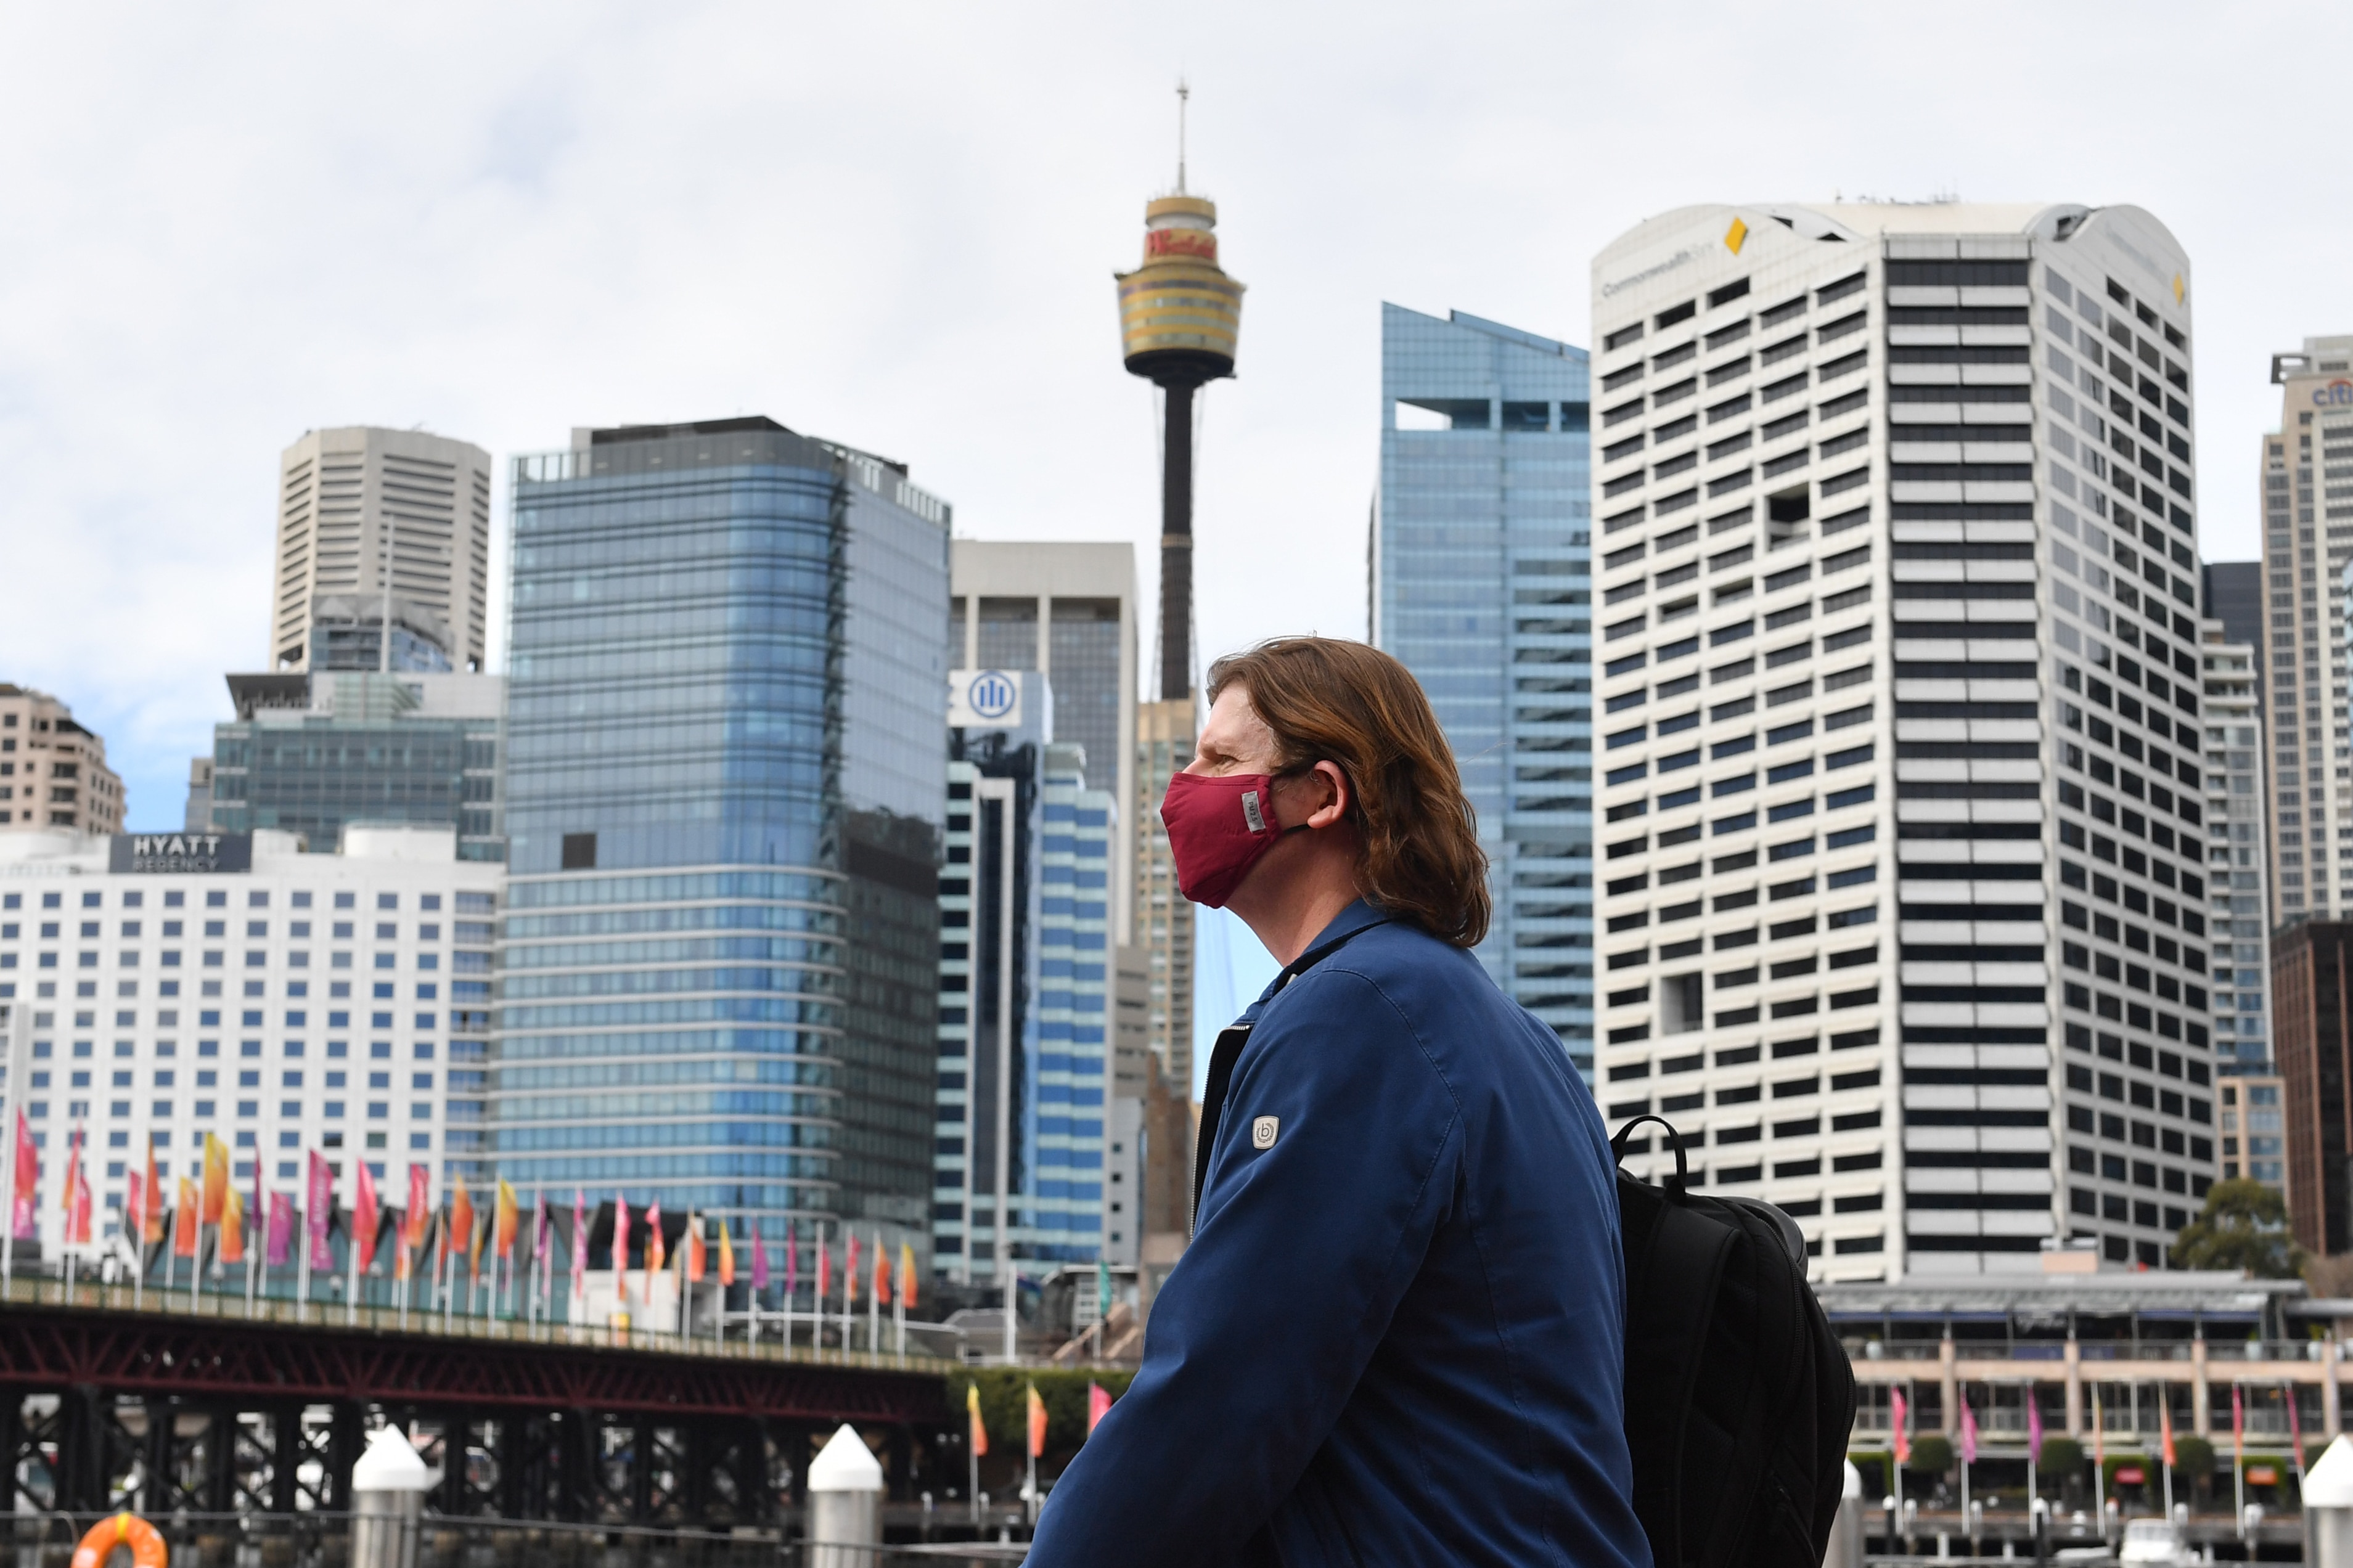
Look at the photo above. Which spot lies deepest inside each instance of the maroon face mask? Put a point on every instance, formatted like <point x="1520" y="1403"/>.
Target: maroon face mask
<point x="1217" y="828"/>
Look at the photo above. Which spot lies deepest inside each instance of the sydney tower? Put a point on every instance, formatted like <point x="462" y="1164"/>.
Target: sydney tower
<point x="1179" y="316"/>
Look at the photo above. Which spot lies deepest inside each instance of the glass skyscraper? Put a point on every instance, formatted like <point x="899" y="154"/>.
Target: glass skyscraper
<point x="1480" y="583"/>
<point x="310" y="753"/>
<point x="692" y="679"/>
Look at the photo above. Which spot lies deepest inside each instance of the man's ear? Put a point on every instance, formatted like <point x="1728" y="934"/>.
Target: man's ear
<point x="1333" y="793"/>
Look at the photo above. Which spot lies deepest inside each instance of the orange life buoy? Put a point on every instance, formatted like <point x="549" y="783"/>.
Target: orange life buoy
<point x="146" y="1542"/>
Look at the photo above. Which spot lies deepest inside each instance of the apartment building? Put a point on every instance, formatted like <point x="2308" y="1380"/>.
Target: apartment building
<point x="53" y="771"/>
<point x="1903" y="914"/>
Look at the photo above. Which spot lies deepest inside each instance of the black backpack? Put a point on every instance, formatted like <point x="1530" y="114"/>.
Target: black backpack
<point x="1739" y="1397"/>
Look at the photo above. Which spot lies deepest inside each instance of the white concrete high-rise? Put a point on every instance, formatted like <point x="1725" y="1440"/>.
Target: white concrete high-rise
<point x="2307" y="546"/>
<point x="1902" y="821"/>
<point x="357" y="503"/>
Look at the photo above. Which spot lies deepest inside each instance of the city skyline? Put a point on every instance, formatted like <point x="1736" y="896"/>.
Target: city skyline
<point x="424" y="321"/>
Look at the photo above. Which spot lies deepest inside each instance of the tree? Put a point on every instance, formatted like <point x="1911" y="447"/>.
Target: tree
<point x="2193" y="1459"/>
<point x="2243" y="1226"/>
<point x="1932" y="1455"/>
<point x="2062" y="1458"/>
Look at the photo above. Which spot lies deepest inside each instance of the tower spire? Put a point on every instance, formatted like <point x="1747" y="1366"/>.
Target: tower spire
<point x="1183" y="93"/>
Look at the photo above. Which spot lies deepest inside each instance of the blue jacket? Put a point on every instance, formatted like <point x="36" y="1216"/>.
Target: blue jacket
<point x="1397" y="1337"/>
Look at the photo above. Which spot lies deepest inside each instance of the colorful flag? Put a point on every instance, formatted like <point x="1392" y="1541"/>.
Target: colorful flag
<point x="657" y="1253"/>
<point x="1969" y="1433"/>
<point x="77" y="1216"/>
<point x="906" y="1276"/>
<point x="759" y="1259"/>
<point x="364" y="1217"/>
<point x="2033" y="1427"/>
<point x="185" y="1220"/>
<point x="727" y="1255"/>
<point x="824" y="1274"/>
<point x="1896" y="1420"/>
<point x="508" y="1220"/>
<point x="232" y="1227"/>
<point x="978" y="1431"/>
<point x="579" y="1245"/>
<point x="882" y="1275"/>
<point x="622" y="1243"/>
<point x="2238" y="1427"/>
<point x="152" y="1217"/>
<point x="400" y="1269"/>
<point x="73" y="1164"/>
<point x="462" y="1218"/>
<point x="849" y="1272"/>
<point x="215" y="1178"/>
<point x="420" y="1206"/>
<point x="2164" y="1425"/>
<point x="694" y="1251"/>
<point x="24" y="1221"/>
<point x="321" y="1213"/>
<point x="279" y="1242"/>
<point x="1098" y="1405"/>
<point x="1037" y="1422"/>
<point x="133" y="1201"/>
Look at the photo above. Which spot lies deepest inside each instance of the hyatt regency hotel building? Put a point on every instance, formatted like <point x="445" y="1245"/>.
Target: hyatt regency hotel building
<point x="1899" y="838"/>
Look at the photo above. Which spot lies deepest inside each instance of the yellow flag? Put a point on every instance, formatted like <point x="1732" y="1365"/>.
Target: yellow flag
<point x="232" y="1228"/>
<point x="979" y="1427"/>
<point x="215" y="1178"/>
<point x="509" y="1217"/>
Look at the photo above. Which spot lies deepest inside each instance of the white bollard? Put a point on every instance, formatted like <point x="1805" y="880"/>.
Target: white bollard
<point x="388" y="1487"/>
<point x="844" y="1511"/>
<point x="2328" y="1509"/>
<point x="1846" y="1529"/>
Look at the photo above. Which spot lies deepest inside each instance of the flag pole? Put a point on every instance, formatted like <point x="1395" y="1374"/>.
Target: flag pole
<point x="352" y="1271"/>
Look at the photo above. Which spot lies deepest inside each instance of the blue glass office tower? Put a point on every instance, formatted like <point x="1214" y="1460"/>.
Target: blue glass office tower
<point x="1480" y="583"/>
<point x="677" y="1002"/>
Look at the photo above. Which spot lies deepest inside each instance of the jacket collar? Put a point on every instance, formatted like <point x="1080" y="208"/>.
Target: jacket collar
<point x="1355" y="918"/>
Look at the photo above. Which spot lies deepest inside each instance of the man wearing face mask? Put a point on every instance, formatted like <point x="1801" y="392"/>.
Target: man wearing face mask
<point x="1397" y="1337"/>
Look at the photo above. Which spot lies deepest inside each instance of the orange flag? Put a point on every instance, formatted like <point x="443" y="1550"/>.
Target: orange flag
<point x="1037" y="1422"/>
<point x="695" y="1254"/>
<point x="978" y="1436"/>
<point x="906" y="1275"/>
<point x="656" y="1254"/>
<point x="727" y="1255"/>
<point x="185" y="1220"/>
<point x="232" y="1228"/>
<point x="460" y="1234"/>
<point x="849" y="1272"/>
<point x="882" y="1275"/>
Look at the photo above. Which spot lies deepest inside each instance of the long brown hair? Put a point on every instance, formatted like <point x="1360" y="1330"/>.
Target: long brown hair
<point x="1349" y="703"/>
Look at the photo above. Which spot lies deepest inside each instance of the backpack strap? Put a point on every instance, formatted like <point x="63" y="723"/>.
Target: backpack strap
<point x="1229" y="1048"/>
<point x="1681" y="1182"/>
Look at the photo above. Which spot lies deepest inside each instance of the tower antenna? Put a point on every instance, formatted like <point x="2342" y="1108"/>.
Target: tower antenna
<point x="1183" y="92"/>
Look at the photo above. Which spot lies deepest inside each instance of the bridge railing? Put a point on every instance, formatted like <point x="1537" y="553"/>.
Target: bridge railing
<point x="324" y="1541"/>
<point x="225" y="1307"/>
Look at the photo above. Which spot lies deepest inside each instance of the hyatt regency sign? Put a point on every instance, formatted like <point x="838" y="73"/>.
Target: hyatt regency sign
<point x="182" y="853"/>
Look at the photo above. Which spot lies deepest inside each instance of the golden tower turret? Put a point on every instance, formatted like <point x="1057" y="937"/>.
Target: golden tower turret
<point x="1179" y="319"/>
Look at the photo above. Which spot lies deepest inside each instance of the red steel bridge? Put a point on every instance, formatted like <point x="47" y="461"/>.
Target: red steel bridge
<point x="164" y="1410"/>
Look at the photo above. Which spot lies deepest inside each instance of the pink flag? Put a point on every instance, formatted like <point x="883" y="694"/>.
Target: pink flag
<point x="1897" y="1418"/>
<point x="621" y="1247"/>
<point x="1098" y="1405"/>
<point x="279" y="1247"/>
<point x="579" y="1245"/>
<point x="321" y="1213"/>
<point x="27" y="1222"/>
<point x="1969" y="1433"/>
<point x="759" y="1259"/>
<point x="2033" y="1427"/>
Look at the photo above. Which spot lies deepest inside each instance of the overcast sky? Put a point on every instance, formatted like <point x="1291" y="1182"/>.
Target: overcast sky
<point x="895" y="226"/>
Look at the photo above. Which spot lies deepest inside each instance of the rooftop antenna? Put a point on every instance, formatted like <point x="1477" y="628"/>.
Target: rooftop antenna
<point x="1183" y="92"/>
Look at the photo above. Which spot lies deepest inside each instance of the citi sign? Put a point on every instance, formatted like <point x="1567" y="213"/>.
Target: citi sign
<point x="2337" y="392"/>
